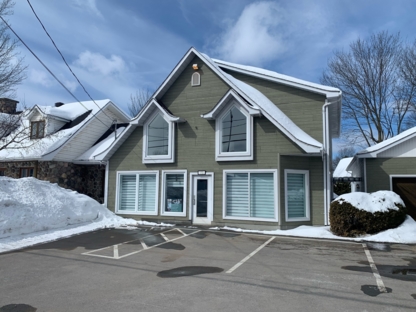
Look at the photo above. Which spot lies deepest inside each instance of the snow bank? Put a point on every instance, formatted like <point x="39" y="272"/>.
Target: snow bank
<point x="29" y="205"/>
<point x="373" y="202"/>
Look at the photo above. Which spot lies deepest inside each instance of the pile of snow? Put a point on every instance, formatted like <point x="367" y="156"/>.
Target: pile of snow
<point x="34" y="211"/>
<point x="373" y="202"/>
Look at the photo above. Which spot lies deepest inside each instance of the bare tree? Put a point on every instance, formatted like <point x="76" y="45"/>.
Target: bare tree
<point x="344" y="152"/>
<point x="138" y="101"/>
<point x="408" y="72"/>
<point x="12" y="69"/>
<point x="376" y="99"/>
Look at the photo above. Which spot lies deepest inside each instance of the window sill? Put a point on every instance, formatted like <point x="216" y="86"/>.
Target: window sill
<point x="233" y="157"/>
<point x="137" y="213"/>
<point x="297" y="219"/>
<point x="251" y="219"/>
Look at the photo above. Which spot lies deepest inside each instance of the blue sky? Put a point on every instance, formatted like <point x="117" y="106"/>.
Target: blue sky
<point x="118" y="47"/>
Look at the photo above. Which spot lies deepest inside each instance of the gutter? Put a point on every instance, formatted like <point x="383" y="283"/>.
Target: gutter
<point x="326" y="157"/>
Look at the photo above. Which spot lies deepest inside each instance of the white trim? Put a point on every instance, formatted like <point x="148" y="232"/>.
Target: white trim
<point x="224" y="194"/>
<point x="391" y="176"/>
<point x="137" y="173"/>
<point x="198" y="83"/>
<point x="157" y="159"/>
<point x="162" y="195"/>
<point x="365" y="174"/>
<point x="234" y="156"/>
<point x="210" y="196"/>
<point x="307" y="196"/>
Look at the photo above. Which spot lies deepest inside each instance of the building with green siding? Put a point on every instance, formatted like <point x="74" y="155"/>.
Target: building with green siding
<point x="389" y="165"/>
<point x="226" y="144"/>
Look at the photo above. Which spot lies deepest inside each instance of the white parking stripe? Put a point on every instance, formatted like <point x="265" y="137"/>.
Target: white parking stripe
<point x="164" y="236"/>
<point x="180" y="231"/>
<point x="115" y="251"/>
<point x="143" y="244"/>
<point x="380" y="283"/>
<point x="250" y="255"/>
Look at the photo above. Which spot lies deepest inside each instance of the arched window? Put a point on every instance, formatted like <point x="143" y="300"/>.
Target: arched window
<point x="196" y="79"/>
<point x="158" y="137"/>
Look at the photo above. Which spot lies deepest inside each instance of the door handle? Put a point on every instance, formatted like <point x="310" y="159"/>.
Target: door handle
<point x="193" y="200"/>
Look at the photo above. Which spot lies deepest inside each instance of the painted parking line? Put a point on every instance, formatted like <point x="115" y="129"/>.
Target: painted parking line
<point x="250" y="255"/>
<point x="115" y="248"/>
<point x="380" y="283"/>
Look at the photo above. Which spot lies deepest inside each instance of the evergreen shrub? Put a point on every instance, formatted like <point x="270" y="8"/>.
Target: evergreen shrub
<point x="346" y="220"/>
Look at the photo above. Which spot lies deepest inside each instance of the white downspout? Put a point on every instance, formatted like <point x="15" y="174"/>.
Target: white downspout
<point x="325" y="154"/>
<point x="107" y="167"/>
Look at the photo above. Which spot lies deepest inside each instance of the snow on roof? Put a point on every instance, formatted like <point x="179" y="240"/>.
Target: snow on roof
<point x="389" y="142"/>
<point x="327" y="90"/>
<point x="73" y="110"/>
<point x="94" y="152"/>
<point x="341" y="169"/>
<point x="30" y="149"/>
<point x="270" y="110"/>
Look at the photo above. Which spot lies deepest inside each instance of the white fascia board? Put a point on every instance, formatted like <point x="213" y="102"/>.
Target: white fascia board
<point x="148" y="111"/>
<point x="213" y="114"/>
<point x="119" y="111"/>
<point x="28" y="114"/>
<point x="373" y="151"/>
<point x="283" y="79"/>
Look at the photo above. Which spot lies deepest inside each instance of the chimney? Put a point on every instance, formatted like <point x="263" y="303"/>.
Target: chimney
<point x="8" y="106"/>
<point x="58" y="104"/>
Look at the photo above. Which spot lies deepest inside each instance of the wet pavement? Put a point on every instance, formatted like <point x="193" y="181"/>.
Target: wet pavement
<point x="191" y="269"/>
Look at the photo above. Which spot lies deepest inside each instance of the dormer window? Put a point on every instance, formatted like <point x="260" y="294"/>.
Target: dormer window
<point x="158" y="140"/>
<point x="234" y="134"/>
<point x="196" y="79"/>
<point x="37" y="129"/>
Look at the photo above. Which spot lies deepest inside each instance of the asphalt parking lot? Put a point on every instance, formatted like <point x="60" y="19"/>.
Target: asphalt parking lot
<point x="191" y="269"/>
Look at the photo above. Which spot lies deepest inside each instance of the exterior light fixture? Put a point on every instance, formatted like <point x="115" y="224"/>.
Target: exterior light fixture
<point x="195" y="66"/>
<point x="202" y="172"/>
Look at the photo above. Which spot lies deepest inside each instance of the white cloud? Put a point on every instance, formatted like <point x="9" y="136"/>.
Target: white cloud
<point x="254" y="38"/>
<point x="98" y="63"/>
<point x="40" y="77"/>
<point x="88" y="5"/>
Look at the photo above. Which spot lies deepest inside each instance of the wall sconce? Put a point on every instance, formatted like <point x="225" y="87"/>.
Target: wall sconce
<point x="195" y="66"/>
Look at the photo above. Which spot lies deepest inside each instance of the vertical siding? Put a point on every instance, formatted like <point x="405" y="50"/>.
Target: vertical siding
<point x="302" y="107"/>
<point x="195" y="143"/>
<point x="380" y="169"/>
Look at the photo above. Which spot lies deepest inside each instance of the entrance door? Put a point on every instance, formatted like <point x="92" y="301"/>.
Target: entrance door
<point x="406" y="188"/>
<point x="202" y="198"/>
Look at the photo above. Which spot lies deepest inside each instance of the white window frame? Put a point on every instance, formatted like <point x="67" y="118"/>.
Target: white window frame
<point x="159" y="159"/>
<point x="391" y="176"/>
<point x="234" y="156"/>
<point x="224" y="194"/>
<point x="137" y="173"/>
<point x="307" y="196"/>
<point x="163" y="194"/>
<point x="198" y="83"/>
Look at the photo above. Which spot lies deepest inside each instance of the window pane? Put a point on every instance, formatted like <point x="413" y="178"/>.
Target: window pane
<point x="237" y="195"/>
<point x="127" y="192"/>
<point x="34" y="130"/>
<point x="2" y="172"/>
<point x="158" y="137"/>
<point x="147" y="192"/>
<point x="174" y="186"/>
<point x="234" y="136"/>
<point x="296" y="198"/>
<point x="202" y="198"/>
<point x="41" y="129"/>
<point x="262" y="195"/>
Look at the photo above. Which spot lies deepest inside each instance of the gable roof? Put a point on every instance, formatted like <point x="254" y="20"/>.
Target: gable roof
<point x="375" y="150"/>
<point x="77" y="116"/>
<point x="341" y="169"/>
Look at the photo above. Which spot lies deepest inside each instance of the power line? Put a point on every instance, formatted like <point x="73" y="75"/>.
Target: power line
<point x="63" y="58"/>
<point x="46" y="67"/>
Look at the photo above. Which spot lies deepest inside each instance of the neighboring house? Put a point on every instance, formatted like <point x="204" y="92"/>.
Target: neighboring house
<point x="62" y="144"/>
<point x="226" y="144"/>
<point x="389" y="165"/>
<point x="342" y="175"/>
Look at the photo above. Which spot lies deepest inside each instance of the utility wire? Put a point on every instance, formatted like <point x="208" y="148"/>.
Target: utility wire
<point x="63" y="58"/>
<point x="53" y="75"/>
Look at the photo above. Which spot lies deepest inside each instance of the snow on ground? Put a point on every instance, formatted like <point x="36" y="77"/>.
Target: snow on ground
<point x="34" y="211"/>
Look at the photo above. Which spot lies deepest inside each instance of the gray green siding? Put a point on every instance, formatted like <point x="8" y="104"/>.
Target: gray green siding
<point x="195" y="145"/>
<point x="380" y="169"/>
<point x="302" y="107"/>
